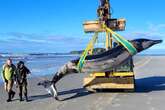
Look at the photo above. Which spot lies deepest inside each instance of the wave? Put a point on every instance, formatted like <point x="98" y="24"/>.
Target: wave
<point x="32" y="56"/>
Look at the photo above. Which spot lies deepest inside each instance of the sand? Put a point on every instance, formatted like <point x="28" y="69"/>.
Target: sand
<point x="149" y="95"/>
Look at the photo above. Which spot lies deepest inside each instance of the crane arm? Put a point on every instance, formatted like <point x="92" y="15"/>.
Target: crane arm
<point x="103" y="2"/>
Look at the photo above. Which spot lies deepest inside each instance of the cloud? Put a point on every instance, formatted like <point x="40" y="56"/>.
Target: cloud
<point x="40" y="42"/>
<point x="16" y="36"/>
<point x="156" y="28"/>
<point x="25" y="42"/>
<point x="37" y="38"/>
<point x="153" y="32"/>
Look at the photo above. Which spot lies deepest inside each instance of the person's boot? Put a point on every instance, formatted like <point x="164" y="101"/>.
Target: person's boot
<point x="9" y="97"/>
<point x="12" y="94"/>
<point x="26" y="97"/>
<point x="20" y="96"/>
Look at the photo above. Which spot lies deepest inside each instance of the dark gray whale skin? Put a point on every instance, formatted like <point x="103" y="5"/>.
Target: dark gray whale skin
<point x="106" y="61"/>
<point x="103" y="62"/>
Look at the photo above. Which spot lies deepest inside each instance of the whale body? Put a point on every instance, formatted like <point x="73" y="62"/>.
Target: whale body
<point x="103" y="62"/>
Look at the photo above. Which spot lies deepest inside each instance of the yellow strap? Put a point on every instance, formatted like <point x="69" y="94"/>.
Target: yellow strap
<point x="123" y="41"/>
<point x="88" y="48"/>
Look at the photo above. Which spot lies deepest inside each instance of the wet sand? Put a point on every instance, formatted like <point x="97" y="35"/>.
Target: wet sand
<point x="149" y="95"/>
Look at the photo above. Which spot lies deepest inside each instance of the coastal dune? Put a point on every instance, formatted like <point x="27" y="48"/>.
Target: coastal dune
<point x="149" y="94"/>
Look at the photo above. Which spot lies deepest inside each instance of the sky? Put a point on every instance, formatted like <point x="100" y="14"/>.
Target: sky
<point x="32" y="26"/>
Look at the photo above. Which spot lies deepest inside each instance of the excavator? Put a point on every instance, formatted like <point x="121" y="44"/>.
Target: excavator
<point x="120" y="78"/>
<point x="111" y="69"/>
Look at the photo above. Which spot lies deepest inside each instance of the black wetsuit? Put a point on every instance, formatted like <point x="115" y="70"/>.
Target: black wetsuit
<point x="22" y="81"/>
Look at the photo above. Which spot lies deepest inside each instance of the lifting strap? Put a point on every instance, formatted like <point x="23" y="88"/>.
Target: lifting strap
<point x="89" y="47"/>
<point x="132" y="50"/>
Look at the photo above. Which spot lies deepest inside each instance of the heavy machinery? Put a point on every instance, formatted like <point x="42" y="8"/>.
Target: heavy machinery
<point x="113" y="67"/>
<point x="121" y="78"/>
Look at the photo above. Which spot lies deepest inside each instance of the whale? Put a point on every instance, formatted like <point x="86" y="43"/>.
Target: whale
<point x="103" y="62"/>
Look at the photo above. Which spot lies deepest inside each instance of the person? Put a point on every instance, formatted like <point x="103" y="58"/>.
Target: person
<point x="21" y="76"/>
<point x="8" y="73"/>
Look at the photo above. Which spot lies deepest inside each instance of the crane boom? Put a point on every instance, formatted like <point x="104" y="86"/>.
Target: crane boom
<point x="103" y="11"/>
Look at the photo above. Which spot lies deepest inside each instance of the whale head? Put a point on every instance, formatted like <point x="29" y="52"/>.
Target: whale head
<point x="143" y="44"/>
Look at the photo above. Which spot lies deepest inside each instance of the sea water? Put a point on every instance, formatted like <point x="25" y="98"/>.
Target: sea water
<point x="40" y="65"/>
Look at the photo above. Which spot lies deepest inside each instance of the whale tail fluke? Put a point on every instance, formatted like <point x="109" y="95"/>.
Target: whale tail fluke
<point x="50" y="88"/>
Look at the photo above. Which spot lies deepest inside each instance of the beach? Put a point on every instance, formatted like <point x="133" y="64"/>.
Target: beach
<point x="149" y="94"/>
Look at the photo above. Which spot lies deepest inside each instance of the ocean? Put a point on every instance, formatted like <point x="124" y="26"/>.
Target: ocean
<point x="39" y="64"/>
<point x="43" y="64"/>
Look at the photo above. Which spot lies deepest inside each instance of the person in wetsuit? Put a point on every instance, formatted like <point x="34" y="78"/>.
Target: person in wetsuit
<point x="21" y="75"/>
<point x="8" y="75"/>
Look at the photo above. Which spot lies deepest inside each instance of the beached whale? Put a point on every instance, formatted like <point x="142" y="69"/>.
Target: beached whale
<point x="103" y="62"/>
